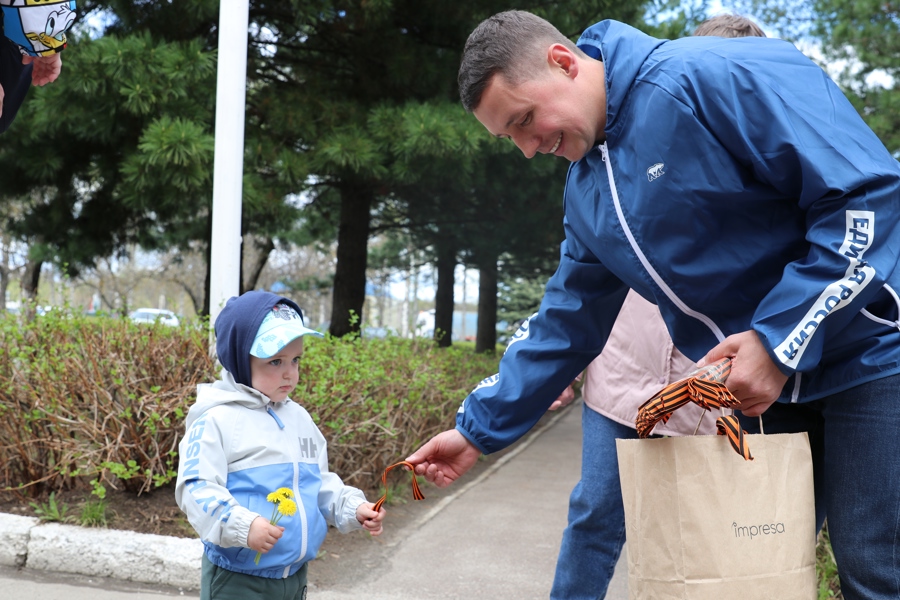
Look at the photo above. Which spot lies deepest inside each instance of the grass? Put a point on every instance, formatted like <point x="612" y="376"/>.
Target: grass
<point x="93" y="514"/>
<point x="826" y="569"/>
<point x="51" y="511"/>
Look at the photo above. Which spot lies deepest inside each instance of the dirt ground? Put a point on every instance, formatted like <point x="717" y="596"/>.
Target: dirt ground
<point x="155" y="512"/>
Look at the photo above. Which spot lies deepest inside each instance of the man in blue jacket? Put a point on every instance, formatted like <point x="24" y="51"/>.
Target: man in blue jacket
<point x="731" y="183"/>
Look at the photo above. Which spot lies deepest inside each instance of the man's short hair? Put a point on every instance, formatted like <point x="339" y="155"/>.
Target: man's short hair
<point x="729" y="26"/>
<point x="511" y="43"/>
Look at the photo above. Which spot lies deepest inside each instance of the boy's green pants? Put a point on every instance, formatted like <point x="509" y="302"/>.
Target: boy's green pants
<point x="217" y="583"/>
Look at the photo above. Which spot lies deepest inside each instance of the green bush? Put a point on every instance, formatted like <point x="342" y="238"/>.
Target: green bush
<point x="98" y="398"/>
<point x="95" y="402"/>
<point x="377" y="400"/>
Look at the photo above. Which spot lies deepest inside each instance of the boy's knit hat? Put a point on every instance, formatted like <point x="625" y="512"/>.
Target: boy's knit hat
<point x="238" y="325"/>
<point x="281" y="326"/>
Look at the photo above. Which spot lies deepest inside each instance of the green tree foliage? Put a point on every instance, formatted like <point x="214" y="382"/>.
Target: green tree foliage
<point x="519" y="298"/>
<point x="128" y="137"/>
<point x="97" y="160"/>
<point x="351" y="106"/>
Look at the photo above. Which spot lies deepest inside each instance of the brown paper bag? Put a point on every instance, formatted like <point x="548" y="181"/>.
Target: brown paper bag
<point x="702" y="523"/>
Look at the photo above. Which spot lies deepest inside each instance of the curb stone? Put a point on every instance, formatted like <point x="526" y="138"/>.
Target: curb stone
<point x="14" y="539"/>
<point x="140" y="557"/>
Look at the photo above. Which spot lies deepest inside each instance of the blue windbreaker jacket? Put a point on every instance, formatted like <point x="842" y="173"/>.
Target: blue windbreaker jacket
<point x="737" y="189"/>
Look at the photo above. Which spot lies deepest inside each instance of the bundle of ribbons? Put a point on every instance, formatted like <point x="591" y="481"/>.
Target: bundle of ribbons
<point x="705" y="387"/>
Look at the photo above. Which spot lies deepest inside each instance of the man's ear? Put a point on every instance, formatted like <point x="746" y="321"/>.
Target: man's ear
<point x="562" y="58"/>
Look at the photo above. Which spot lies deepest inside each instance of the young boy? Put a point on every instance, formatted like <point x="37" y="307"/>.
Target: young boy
<point x="246" y="439"/>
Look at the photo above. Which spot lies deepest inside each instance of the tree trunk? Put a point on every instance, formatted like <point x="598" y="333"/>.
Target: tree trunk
<point x="352" y="258"/>
<point x="443" y="297"/>
<point x="260" y="249"/>
<point x="196" y="301"/>
<point x="31" y="277"/>
<point x="486" y="339"/>
<point x="4" y="272"/>
<point x="207" y="282"/>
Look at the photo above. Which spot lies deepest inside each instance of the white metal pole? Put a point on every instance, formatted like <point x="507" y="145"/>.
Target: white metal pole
<point x="228" y="167"/>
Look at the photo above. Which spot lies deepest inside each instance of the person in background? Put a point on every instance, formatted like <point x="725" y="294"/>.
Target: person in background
<point x="32" y="35"/>
<point x="732" y="183"/>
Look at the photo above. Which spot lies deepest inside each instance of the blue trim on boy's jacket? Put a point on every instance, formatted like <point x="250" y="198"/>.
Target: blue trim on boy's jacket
<point x="250" y="487"/>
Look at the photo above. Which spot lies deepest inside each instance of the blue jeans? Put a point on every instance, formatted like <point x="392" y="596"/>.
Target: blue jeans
<point x="854" y="437"/>
<point x="594" y="537"/>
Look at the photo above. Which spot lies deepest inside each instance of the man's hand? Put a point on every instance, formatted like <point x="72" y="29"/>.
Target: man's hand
<point x="1" y="100"/>
<point x="263" y="535"/>
<point x="46" y="68"/>
<point x="754" y="378"/>
<point x="445" y="458"/>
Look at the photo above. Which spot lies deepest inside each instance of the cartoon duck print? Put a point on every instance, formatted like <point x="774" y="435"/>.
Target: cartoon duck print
<point x="53" y="37"/>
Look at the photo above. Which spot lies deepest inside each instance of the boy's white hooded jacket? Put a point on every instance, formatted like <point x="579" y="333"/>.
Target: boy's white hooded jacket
<point x="238" y="448"/>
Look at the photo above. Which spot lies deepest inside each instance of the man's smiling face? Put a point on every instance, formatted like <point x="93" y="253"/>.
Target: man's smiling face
<point x="549" y="114"/>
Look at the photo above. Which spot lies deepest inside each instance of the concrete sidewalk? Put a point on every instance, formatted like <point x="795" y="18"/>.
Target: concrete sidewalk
<point x="497" y="536"/>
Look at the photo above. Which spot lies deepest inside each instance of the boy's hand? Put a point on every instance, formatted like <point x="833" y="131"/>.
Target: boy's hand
<point x="370" y="519"/>
<point x="263" y="535"/>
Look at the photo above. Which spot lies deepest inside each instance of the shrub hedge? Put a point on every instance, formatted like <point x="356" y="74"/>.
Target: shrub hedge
<point x="101" y="401"/>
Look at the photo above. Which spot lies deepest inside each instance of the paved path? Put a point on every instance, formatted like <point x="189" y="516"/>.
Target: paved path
<point x="497" y="537"/>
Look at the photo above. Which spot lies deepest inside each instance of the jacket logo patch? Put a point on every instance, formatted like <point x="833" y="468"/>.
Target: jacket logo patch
<point x="655" y="171"/>
<point x="308" y="448"/>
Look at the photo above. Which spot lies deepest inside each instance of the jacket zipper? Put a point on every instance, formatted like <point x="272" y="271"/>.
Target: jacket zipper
<point x="795" y="394"/>
<point x="640" y="254"/>
<point x="301" y="512"/>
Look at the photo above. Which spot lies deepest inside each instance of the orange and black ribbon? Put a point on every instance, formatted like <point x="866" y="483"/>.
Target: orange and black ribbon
<point x="705" y="388"/>
<point x="417" y="493"/>
<point x="731" y="427"/>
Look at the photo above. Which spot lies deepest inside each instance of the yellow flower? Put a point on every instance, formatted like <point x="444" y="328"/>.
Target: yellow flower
<point x="287" y="507"/>
<point x="279" y="495"/>
<point x="284" y="506"/>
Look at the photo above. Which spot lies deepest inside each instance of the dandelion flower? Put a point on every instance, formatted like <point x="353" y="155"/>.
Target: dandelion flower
<point x="287" y="507"/>
<point x="284" y="506"/>
<point x="279" y="494"/>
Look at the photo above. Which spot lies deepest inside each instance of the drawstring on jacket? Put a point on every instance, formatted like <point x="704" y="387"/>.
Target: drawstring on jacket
<point x="274" y="416"/>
